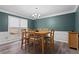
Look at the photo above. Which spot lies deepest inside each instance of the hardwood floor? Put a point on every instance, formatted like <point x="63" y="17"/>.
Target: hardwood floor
<point x="14" y="48"/>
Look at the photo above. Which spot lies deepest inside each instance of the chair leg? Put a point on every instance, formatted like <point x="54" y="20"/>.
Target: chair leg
<point x="28" y="42"/>
<point x="25" y="43"/>
<point x="22" y="43"/>
<point x="34" y="45"/>
<point x="46" y="44"/>
<point x="51" y="45"/>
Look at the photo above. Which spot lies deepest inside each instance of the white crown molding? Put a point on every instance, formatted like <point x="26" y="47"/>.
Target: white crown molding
<point x="66" y="12"/>
<point x="76" y="7"/>
<point x="1" y="10"/>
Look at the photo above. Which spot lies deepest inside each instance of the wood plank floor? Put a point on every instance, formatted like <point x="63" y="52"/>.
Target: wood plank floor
<point x="14" y="48"/>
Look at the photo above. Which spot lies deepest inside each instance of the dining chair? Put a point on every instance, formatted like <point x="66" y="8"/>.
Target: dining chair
<point x="33" y="37"/>
<point x="50" y="39"/>
<point x="25" y="38"/>
<point x="34" y="40"/>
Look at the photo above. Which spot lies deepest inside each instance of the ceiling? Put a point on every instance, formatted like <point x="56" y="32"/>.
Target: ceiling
<point x="44" y="10"/>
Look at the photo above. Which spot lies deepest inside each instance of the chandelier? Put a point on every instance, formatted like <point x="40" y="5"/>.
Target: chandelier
<point x="36" y="14"/>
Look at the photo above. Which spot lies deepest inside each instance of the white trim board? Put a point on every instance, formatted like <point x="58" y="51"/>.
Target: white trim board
<point x="58" y="14"/>
<point x="76" y="7"/>
<point x="1" y="10"/>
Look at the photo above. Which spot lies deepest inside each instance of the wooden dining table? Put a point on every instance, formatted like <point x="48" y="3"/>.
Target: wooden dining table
<point x="42" y="34"/>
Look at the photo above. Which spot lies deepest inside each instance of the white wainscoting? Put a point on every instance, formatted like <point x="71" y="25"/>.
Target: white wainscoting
<point x="61" y="36"/>
<point x="5" y="37"/>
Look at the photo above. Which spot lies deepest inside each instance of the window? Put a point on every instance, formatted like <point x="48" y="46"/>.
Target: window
<point x="17" y="22"/>
<point x="23" y="23"/>
<point x="13" y="21"/>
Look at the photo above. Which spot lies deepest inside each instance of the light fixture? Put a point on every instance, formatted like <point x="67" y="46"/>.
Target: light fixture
<point x="36" y="14"/>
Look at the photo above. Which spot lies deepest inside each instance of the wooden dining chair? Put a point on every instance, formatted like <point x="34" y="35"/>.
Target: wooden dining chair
<point x="52" y="39"/>
<point x="25" y="38"/>
<point x="33" y="37"/>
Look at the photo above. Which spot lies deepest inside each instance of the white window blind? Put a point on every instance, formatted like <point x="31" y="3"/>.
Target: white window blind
<point x="17" y="22"/>
<point x="24" y="23"/>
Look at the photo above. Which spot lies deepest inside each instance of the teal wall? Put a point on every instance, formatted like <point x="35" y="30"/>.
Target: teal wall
<point x="77" y="20"/>
<point x="31" y="24"/>
<point x="3" y="22"/>
<point x="62" y="23"/>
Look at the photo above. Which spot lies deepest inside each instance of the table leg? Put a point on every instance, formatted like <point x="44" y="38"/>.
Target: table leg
<point x="42" y="39"/>
<point x="34" y="45"/>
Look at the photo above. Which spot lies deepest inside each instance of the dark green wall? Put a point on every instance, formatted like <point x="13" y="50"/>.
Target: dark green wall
<point x="3" y="22"/>
<point x="62" y="23"/>
<point x="77" y="20"/>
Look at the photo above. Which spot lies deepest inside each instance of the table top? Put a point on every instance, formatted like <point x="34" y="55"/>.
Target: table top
<point x="42" y="32"/>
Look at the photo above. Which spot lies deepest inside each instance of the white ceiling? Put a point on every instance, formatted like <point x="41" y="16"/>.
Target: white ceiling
<point x="44" y="10"/>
